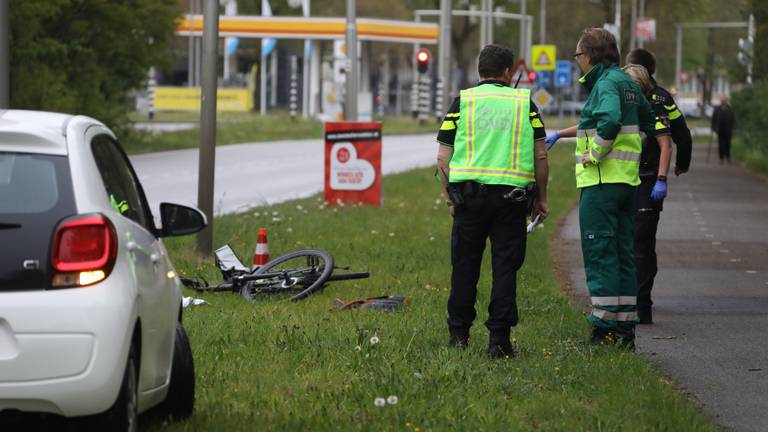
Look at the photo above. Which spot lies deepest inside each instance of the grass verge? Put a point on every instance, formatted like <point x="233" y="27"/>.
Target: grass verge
<point x="273" y="365"/>
<point x="236" y="128"/>
<point x="751" y="156"/>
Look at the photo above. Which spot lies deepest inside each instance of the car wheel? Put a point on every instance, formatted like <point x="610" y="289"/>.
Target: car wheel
<point x="124" y="413"/>
<point x="180" y="401"/>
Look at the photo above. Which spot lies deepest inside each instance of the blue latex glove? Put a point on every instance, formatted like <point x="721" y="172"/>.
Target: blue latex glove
<point x="659" y="191"/>
<point x="551" y="139"/>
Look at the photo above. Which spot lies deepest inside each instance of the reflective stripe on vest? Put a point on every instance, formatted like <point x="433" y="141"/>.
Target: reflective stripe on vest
<point x="618" y="159"/>
<point x="494" y="137"/>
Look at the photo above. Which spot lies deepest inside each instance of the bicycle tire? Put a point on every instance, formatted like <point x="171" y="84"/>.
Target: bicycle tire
<point x="348" y="276"/>
<point x="316" y="274"/>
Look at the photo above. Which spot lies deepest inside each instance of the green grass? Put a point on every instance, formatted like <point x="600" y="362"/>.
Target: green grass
<point x="274" y="365"/>
<point x="236" y="128"/>
<point x="751" y="156"/>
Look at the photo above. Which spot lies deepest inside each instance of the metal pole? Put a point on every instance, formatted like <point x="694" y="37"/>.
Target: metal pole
<point x="263" y="83"/>
<point x="191" y="48"/>
<point x="751" y="36"/>
<point x="444" y="64"/>
<point x="633" y="25"/>
<point x="208" y="123"/>
<point x="543" y="22"/>
<point x="5" y="71"/>
<point x="491" y="23"/>
<point x="642" y="14"/>
<point x="617" y="23"/>
<point x="523" y="32"/>
<point x="678" y="56"/>
<point x="350" y="102"/>
<point x="483" y="32"/>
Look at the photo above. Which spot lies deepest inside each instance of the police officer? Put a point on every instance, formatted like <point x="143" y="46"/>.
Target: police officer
<point x="653" y="186"/>
<point x="491" y="147"/>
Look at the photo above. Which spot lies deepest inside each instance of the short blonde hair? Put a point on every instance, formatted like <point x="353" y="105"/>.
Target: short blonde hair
<point x="639" y="74"/>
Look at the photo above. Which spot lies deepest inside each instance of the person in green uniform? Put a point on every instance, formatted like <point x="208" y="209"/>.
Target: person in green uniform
<point x="608" y="147"/>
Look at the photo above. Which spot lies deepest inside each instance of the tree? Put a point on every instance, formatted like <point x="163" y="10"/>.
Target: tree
<point x="85" y="56"/>
<point x="760" y="65"/>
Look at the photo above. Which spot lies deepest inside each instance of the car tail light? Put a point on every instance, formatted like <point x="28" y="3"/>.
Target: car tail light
<point x="83" y="251"/>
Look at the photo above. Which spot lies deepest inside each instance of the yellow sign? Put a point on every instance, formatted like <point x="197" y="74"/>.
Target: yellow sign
<point x="188" y="99"/>
<point x="543" y="57"/>
<point x="542" y="98"/>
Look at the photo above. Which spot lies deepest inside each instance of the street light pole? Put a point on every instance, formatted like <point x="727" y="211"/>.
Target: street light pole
<point x="350" y="102"/>
<point x="5" y="53"/>
<point x="543" y="22"/>
<point x="523" y="31"/>
<point x="208" y="123"/>
<point x="444" y="64"/>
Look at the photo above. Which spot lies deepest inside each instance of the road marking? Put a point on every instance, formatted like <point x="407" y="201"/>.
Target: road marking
<point x="724" y="251"/>
<point x="752" y="271"/>
<point x="716" y="243"/>
<point x="709" y="235"/>
<point x="703" y="229"/>
<point x="735" y="260"/>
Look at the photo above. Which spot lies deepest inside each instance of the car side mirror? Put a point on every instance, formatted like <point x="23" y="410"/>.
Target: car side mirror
<point x="179" y="220"/>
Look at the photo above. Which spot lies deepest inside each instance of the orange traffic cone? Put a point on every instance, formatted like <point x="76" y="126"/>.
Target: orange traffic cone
<point x="261" y="253"/>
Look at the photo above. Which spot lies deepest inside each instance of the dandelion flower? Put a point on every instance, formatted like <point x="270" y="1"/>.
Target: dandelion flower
<point x="299" y="207"/>
<point x="358" y="348"/>
<point x="289" y="229"/>
<point x="379" y="402"/>
<point x="374" y="232"/>
<point x="431" y="239"/>
<point x="391" y="234"/>
<point x="374" y="340"/>
<point x="276" y="219"/>
<point x="275" y="213"/>
<point x="256" y="214"/>
<point x="392" y="400"/>
<point x="418" y="375"/>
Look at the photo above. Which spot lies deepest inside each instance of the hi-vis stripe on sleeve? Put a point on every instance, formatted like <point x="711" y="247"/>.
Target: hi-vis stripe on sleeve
<point x="448" y="125"/>
<point x="674" y="112"/>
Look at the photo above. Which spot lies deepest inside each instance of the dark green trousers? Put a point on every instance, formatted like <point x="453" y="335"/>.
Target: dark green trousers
<point x="607" y="222"/>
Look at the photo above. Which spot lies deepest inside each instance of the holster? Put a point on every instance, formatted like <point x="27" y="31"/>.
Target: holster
<point x="531" y="194"/>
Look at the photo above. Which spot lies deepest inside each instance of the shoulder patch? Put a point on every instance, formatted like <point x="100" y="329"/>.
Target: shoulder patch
<point x="631" y="96"/>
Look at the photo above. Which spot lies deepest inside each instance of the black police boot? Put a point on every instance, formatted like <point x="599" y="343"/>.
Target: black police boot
<point x="645" y="314"/>
<point x="624" y="337"/>
<point x="601" y="336"/>
<point x="459" y="337"/>
<point x="499" y="345"/>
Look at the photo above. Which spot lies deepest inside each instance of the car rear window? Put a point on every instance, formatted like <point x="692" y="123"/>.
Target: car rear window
<point x="35" y="194"/>
<point x="28" y="183"/>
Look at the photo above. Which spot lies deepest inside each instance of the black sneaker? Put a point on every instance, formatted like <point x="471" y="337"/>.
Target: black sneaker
<point x="601" y="336"/>
<point x="499" y="345"/>
<point x="645" y="315"/>
<point x="501" y="350"/>
<point x="459" y="337"/>
<point x="624" y="337"/>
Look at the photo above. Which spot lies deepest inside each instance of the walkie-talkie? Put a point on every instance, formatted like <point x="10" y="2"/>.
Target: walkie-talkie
<point x="520" y="75"/>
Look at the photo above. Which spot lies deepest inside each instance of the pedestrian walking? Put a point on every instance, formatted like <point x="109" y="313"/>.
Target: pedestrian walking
<point x="491" y="148"/>
<point x="608" y="148"/>
<point x="723" y="122"/>
<point x="654" y="165"/>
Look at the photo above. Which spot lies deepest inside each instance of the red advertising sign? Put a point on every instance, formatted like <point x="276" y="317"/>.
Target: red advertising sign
<point x="353" y="163"/>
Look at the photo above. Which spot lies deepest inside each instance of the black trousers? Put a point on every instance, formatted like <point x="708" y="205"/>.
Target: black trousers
<point x="646" y="225"/>
<point x="486" y="214"/>
<point x="724" y="145"/>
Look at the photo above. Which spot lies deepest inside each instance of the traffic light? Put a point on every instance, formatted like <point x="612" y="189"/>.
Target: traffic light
<point x="746" y="50"/>
<point x="531" y="76"/>
<point x="422" y="61"/>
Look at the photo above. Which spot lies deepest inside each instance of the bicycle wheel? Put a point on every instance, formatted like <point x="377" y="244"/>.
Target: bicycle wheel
<point x="305" y="271"/>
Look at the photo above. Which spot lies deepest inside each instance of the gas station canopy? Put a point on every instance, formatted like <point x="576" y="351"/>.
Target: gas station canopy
<point x="313" y="28"/>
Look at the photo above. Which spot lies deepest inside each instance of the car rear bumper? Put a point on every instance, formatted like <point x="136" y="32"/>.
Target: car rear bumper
<point x="63" y="351"/>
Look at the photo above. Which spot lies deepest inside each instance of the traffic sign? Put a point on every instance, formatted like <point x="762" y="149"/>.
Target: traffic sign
<point x="544" y="79"/>
<point x="542" y="98"/>
<point x="522" y="68"/>
<point x="543" y="57"/>
<point x="563" y="75"/>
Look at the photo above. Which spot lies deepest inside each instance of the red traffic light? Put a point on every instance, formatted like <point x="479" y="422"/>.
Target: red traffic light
<point x="531" y="76"/>
<point x="422" y="60"/>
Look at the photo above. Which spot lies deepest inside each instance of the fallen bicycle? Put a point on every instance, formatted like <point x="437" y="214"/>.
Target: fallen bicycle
<point x="300" y="273"/>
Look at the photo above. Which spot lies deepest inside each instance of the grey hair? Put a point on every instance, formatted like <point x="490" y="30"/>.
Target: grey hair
<point x="639" y="74"/>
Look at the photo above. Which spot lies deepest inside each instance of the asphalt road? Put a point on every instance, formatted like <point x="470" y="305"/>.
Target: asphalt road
<point x="710" y="331"/>
<point x="249" y="175"/>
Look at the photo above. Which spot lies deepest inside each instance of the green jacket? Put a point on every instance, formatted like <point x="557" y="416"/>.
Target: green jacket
<point x="609" y="128"/>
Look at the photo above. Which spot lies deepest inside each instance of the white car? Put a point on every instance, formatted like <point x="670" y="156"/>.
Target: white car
<point x="90" y="304"/>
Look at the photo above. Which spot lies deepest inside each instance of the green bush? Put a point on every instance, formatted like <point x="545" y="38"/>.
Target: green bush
<point x="751" y="141"/>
